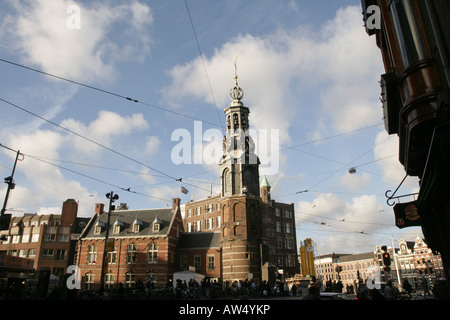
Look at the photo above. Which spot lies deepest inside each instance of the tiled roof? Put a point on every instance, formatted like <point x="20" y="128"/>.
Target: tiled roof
<point x="146" y="218"/>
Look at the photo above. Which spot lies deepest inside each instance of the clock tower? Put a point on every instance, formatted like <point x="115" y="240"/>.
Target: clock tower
<point x="239" y="164"/>
<point x="241" y="205"/>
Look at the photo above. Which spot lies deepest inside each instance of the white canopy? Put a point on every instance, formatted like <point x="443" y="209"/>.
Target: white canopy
<point x="187" y="275"/>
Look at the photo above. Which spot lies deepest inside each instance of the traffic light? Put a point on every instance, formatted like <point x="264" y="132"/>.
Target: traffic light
<point x="386" y="259"/>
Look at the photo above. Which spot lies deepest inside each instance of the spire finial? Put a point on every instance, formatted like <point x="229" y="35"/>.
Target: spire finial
<point x="236" y="93"/>
<point x="235" y="67"/>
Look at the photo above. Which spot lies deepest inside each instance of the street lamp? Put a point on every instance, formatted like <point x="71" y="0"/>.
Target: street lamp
<point x="112" y="197"/>
<point x="6" y="218"/>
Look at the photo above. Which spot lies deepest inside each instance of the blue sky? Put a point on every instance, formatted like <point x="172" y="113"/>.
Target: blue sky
<point x="308" y="70"/>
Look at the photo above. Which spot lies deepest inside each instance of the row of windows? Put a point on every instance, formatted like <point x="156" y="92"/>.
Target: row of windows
<point x="289" y="260"/>
<point x="284" y="213"/>
<point x="37" y="223"/>
<point x="212" y="223"/>
<point x="26" y="238"/>
<point x="203" y="225"/>
<point x="119" y="227"/>
<point x="110" y="280"/>
<point x="286" y="227"/>
<point x="192" y="212"/>
<point x="57" y="254"/>
<point x="131" y="254"/>
<point x="330" y="268"/>
<point x="211" y="264"/>
<point x="285" y="243"/>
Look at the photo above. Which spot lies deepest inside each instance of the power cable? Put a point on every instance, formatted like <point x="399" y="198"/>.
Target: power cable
<point x="87" y="139"/>
<point x="178" y="113"/>
<point x="98" y="167"/>
<point x="106" y="91"/>
<point x="203" y="62"/>
<point x="95" y="179"/>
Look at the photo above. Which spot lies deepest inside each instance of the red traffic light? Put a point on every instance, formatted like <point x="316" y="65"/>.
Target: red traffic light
<point x="386" y="259"/>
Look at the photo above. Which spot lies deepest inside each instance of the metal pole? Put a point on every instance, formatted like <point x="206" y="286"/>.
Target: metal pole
<point x="9" y="180"/>
<point x="112" y="198"/>
<point x="395" y="261"/>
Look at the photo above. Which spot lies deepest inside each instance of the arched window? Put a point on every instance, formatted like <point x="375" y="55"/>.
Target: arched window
<point x="226" y="180"/>
<point x="235" y="121"/>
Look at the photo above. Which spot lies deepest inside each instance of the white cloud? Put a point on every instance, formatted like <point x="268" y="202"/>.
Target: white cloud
<point x="51" y="181"/>
<point x="103" y="130"/>
<point x="335" y="60"/>
<point x="152" y="144"/>
<point x="387" y="146"/>
<point x="39" y="30"/>
<point x="355" y="182"/>
<point x="337" y="223"/>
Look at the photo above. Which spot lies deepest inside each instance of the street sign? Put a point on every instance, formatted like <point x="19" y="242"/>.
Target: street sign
<point x="109" y="245"/>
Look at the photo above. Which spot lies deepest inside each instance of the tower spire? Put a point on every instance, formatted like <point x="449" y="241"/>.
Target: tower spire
<point x="236" y="93"/>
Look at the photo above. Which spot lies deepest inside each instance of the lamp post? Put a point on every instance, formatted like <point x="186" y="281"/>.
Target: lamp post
<point x="112" y="197"/>
<point x="4" y="218"/>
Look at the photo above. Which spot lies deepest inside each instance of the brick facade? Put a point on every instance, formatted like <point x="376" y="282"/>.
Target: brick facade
<point x="144" y="247"/>
<point x="48" y="240"/>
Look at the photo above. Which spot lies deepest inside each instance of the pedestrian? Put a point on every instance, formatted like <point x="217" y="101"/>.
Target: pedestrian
<point x="312" y="293"/>
<point x="407" y="286"/>
<point x="294" y="290"/>
<point x="389" y="291"/>
<point x="425" y="287"/>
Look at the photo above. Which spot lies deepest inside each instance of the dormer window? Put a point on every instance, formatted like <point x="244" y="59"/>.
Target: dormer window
<point x="98" y="227"/>
<point x="117" y="227"/>
<point x="157" y="225"/>
<point x="137" y="225"/>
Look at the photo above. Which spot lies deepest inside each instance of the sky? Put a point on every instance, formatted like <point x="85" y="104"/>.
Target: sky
<point x="101" y="96"/>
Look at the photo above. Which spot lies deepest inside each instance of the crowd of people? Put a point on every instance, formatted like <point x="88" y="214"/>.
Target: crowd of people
<point x="404" y="291"/>
<point x="249" y="289"/>
<point x="194" y="290"/>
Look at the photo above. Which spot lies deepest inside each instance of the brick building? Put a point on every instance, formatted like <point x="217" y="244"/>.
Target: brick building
<point x="237" y="235"/>
<point x="143" y="244"/>
<point x="49" y="240"/>
<point x="202" y="251"/>
<point x="412" y="261"/>
<point x="256" y="232"/>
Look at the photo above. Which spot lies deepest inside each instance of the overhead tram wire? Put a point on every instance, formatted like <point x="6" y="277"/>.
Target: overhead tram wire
<point x="107" y="92"/>
<point x="100" y="167"/>
<point x="346" y="165"/>
<point x="153" y="106"/>
<point x="283" y="147"/>
<point x="95" y="179"/>
<point x="204" y="65"/>
<point x="87" y="139"/>
<point x="126" y="171"/>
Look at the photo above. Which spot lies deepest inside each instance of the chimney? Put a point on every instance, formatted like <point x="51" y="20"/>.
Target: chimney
<point x="176" y="203"/>
<point x="69" y="212"/>
<point x="99" y="208"/>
